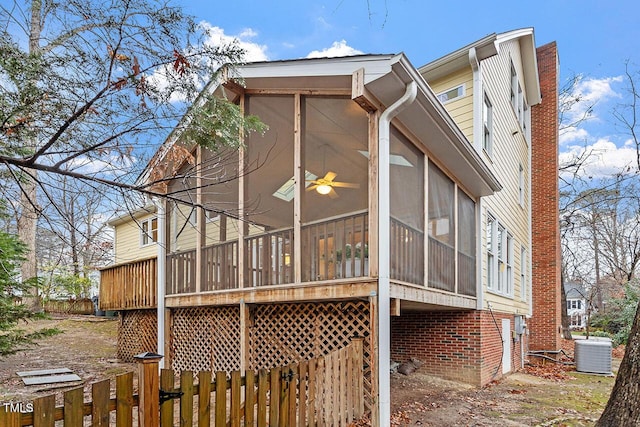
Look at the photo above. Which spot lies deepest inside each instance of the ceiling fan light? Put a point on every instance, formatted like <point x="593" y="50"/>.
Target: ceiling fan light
<point x="323" y="189"/>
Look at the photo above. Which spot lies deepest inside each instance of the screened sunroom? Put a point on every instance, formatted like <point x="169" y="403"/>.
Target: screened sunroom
<point x="299" y="206"/>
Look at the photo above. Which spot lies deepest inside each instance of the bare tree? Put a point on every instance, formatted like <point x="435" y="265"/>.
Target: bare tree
<point x="88" y="88"/>
<point x="621" y="409"/>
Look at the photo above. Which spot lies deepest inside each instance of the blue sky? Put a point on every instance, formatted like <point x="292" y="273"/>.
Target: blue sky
<point x="594" y="39"/>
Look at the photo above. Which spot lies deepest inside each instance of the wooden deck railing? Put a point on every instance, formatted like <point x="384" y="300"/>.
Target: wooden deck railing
<point x="220" y="266"/>
<point x="441" y="266"/>
<point x="269" y="258"/>
<point x="129" y="286"/>
<point x="337" y="248"/>
<point x="407" y="253"/>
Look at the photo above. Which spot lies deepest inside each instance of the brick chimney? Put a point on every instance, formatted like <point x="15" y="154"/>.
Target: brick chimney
<point x="544" y="326"/>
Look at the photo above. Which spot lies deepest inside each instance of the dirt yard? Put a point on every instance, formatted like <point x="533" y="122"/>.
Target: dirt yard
<point x="550" y="396"/>
<point x="87" y="346"/>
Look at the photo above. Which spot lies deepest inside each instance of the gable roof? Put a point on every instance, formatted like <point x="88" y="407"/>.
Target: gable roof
<point x="384" y="79"/>
<point x="487" y="47"/>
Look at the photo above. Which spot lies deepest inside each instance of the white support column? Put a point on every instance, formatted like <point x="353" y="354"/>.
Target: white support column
<point x="161" y="274"/>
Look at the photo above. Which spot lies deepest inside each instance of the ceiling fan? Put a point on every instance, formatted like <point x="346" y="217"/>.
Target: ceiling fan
<point x="326" y="185"/>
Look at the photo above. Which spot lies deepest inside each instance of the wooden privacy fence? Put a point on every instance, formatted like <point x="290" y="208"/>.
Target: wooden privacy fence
<point x="79" y="306"/>
<point x="325" y="391"/>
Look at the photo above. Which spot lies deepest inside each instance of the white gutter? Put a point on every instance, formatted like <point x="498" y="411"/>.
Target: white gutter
<point x="162" y="269"/>
<point x="384" y="213"/>
<point x="478" y="101"/>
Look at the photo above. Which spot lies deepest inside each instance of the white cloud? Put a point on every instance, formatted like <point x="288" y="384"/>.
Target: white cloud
<point x="253" y="51"/>
<point x="601" y="159"/>
<point x="572" y="134"/>
<point x="337" y="49"/>
<point x="586" y="99"/>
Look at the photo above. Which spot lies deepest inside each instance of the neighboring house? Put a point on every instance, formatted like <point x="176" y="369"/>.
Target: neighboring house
<point x="577" y="302"/>
<point x="376" y="205"/>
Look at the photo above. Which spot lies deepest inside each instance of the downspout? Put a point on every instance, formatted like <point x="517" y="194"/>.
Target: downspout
<point x="161" y="274"/>
<point x="478" y="100"/>
<point x="384" y="212"/>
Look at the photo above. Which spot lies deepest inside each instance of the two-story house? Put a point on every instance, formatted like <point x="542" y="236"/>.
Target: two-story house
<point x="384" y="201"/>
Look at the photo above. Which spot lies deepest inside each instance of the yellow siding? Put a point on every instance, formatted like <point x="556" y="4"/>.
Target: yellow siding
<point x="509" y="152"/>
<point x="128" y="242"/>
<point x="460" y="109"/>
<point x="183" y="232"/>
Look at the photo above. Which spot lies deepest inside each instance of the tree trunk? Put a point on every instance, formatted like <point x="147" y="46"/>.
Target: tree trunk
<point x="27" y="223"/>
<point x="622" y="409"/>
<point x="27" y="226"/>
<point x="564" y="317"/>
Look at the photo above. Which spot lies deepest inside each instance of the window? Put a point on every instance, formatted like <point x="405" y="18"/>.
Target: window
<point x="521" y="185"/>
<point x="524" y="285"/>
<point x="499" y="258"/>
<point x="574" y="304"/>
<point x="501" y="238"/>
<point x="149" y="231"/>
<point x="451" y="94"/>
<point x="487" y="123"/>
<point x="518" y="101"/>
<point x="509" y="270"/>
<point x="491" y="256"/>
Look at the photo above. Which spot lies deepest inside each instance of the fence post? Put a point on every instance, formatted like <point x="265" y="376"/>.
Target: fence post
<point x="148" y="389"/>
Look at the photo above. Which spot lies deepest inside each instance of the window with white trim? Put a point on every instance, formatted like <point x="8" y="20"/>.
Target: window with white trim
<point x="574" y="304"/>
<point x="499" y="258"/>
<point x="491" y="252"/>
<point x="519" y="102"/>
<point x="148" y="231"/>
<point x="521" y="185"/>
<point x="524" y="285"/>
<point x="508" y="280"/>
<point x="487" y="125"/>
<point x="451" y="94"/>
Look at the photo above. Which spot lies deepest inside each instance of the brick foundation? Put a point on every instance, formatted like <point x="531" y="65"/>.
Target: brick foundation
<point x="457" y="345"/>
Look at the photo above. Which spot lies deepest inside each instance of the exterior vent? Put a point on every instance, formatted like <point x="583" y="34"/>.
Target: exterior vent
<point x="593" y="356"/>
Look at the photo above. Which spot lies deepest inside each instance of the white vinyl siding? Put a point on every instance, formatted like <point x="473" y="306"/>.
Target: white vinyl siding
<point x="511" y="205"/>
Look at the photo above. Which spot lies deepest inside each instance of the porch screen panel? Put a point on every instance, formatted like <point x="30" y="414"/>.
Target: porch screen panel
<point x="406" y="188"/>
<point x="334" y="205"/>
<point x="466" y="245"/>
<point x="269" y="193"/>
<point x="441" y="230"/>
<point x="220" y="173"/>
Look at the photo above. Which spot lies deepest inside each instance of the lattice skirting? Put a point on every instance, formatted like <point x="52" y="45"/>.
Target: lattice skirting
<point x="137" y="333"/>
<point x="205" y="339"/>
<point x="280" y="334"/>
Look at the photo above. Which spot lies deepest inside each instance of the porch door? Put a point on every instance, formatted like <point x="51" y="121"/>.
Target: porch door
<point x="506" y="346"/>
